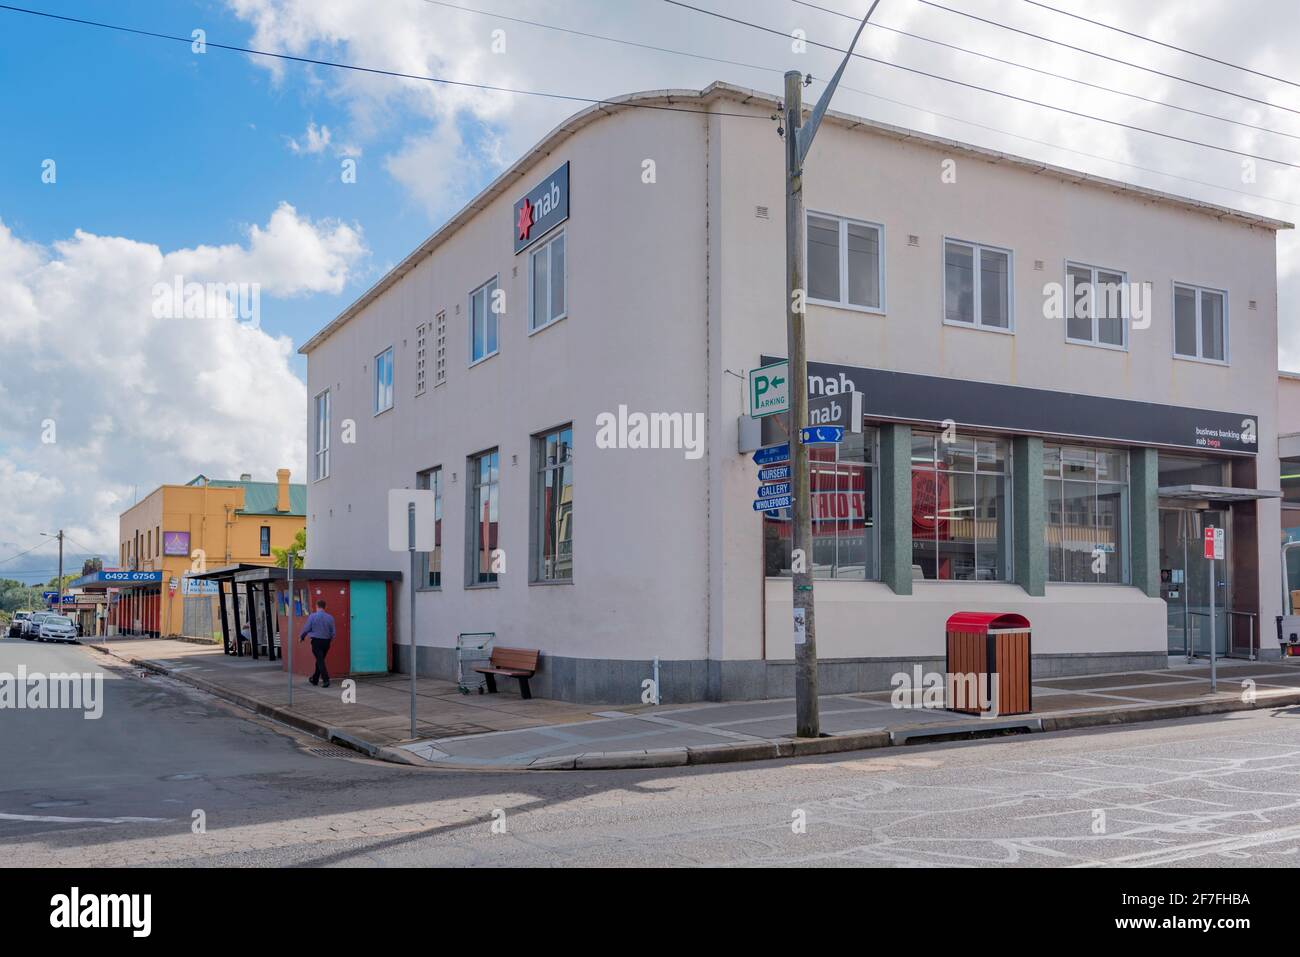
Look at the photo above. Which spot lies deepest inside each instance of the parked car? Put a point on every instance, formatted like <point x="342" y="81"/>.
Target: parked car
<point x="57" y="628"/>
<point x="32" y="624"/>
<point x="16" y="623"/>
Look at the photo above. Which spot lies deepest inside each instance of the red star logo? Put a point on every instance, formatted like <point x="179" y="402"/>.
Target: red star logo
<point x="525" y="218"/>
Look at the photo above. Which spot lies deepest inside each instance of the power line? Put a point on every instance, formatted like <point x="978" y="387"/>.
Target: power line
<point x="1103" y="56"/>
<point x="27" y="552"/>
<point x="599" y="36"/>
<point x="336" y="64"/>
<point x="985" y="89"/>
<point x="1169" y="46"/>
<point x="1042" y="72"/>
<point x="903" y="103"/>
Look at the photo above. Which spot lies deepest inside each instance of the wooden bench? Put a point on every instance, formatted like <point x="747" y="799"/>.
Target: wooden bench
<point x="517" y="663"/>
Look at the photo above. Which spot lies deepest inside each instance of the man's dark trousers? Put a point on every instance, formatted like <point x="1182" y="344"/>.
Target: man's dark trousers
<point x="320" y="648"/>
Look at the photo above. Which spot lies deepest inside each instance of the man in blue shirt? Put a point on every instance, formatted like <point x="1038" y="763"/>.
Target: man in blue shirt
<point x="320" y="628"/>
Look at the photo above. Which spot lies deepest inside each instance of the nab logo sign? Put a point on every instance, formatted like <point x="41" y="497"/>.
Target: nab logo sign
<point x="544" y="208"/>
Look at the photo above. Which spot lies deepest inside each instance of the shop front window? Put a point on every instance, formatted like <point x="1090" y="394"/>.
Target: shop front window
<point x="1086" y="498"/>
<point x="961" y="509"/>
<point x="845" y="543"/>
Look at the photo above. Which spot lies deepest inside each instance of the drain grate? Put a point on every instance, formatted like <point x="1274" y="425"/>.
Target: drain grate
<point x="451" y="730"/>
<point x="332" y="752"/>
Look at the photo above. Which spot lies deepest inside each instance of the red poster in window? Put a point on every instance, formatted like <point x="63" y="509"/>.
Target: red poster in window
<point x="931" y="504"/>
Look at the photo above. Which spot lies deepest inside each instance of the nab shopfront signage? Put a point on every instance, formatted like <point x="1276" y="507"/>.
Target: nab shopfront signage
<point x="544" y="208"/>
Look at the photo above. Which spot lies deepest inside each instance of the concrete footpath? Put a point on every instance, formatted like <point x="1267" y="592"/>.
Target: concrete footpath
<point x="504" y="732"/>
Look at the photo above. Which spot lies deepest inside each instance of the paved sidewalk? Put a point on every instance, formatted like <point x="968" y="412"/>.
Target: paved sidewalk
<point x="503" y="731"/>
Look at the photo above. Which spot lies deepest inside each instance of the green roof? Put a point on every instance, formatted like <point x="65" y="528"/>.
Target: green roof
<point x="260" y="497"/>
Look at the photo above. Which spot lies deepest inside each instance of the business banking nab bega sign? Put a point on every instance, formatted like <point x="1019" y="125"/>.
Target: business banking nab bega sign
<point x="544" y="208"/>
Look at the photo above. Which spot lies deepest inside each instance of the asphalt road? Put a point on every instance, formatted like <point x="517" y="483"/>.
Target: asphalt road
<point x="124" y="789"/>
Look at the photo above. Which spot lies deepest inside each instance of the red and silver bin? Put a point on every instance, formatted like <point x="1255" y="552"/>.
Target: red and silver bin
<point x="988" y="667"/>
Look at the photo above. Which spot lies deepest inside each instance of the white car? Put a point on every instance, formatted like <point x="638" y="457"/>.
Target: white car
<point x="57" y="628"/>
<point x="32" y="625"/>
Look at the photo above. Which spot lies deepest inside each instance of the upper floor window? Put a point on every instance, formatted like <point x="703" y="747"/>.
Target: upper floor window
<point x="1096" y="305"/>
<point x="384" y="381"/>
<point x="483" y="308"/>
<point x="264" y="542"/>
<point x="845" y="262"/>
<point x="961" y="509"/>
<point x="322" y="450"/>
<point x="976" y="285"/>
<point x="547" y="283"/>
<point x="1200" y="323"/>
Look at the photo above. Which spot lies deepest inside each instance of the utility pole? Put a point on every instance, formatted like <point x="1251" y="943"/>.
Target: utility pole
<point x="798" y="141"/>
<point x="58" y="587"/>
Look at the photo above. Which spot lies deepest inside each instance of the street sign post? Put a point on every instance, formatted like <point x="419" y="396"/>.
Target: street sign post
<point x="411" y="526"/>
<point x="780" y="488"/>
<point x="821" y="435"/>
<point x="1215" y="550"/>
<point x="769" y="389"/>
<point x="772" y="454"/>
<point x="778" y="474"/>
<point x="772" y="504"/>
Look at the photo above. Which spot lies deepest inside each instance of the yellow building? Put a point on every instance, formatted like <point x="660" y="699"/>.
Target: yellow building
<point x="205" y="523"/>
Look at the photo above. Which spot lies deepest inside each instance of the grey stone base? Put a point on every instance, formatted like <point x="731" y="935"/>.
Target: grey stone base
<point x="616" y="682"/>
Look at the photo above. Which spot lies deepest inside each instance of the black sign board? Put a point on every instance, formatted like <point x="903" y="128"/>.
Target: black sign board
<point x="906" y="397"/>
<point x="544" y="208"/>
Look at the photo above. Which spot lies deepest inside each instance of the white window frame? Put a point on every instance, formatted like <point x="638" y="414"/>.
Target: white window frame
<point x="322" y="444"/>
<point x="979" y="323"/>
<point x="421" y="366"/>
<point x="392" y="381"/>
<point x="1096" y="322"/>
<point x="426" y="558"/>
<point x="1200" y="346"/>
<point x="532" y="261"/>
<point x="843" y="301"/>
<point x="495" y="281"/>
<point x="440" y="348"/>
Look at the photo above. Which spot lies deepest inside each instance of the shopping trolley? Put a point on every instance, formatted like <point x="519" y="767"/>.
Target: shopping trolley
<point x="472" y="648"/>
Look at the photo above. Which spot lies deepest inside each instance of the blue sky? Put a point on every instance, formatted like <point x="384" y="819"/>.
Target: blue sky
<point x="171" y="162"/>
<point x="167" y="147"/>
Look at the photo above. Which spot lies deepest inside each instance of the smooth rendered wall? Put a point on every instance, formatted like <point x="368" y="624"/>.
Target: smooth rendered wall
<point x="636" y="335"/>
<point x="867" y="176"/>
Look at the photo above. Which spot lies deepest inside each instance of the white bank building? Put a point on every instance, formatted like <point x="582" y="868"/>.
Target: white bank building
<point x="1063" y="381"/>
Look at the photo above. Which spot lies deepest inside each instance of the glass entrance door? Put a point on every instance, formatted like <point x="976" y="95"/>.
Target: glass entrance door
<point x="1185" y="582"/>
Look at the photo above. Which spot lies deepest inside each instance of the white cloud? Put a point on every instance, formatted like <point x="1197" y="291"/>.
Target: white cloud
<point x="135" y="400"/>
<point x="315" y="140"/>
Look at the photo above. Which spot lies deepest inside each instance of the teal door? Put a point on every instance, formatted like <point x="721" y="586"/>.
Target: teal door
<point x="369" y="628"/>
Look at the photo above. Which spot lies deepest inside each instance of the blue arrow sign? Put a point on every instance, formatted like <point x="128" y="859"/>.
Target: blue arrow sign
<point x="822" y="435"/>
<point x="778" y="474"/>
<point x="772" y="454"/>
<point x="772" y="504"/>
<point x="781" y="488"/>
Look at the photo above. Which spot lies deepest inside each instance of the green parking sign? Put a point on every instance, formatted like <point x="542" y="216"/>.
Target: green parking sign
<point x="769" y="389"/>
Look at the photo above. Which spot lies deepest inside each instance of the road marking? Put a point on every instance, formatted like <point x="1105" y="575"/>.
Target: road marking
<point x="56" y="819"/>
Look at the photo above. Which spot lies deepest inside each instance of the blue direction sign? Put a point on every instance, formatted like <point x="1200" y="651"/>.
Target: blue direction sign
<point x="49" y="596"/>
<point x="772" y="504"/>
<point x="822" y="435"/>
<point x="772" y="454"/>
<point x="778" y="474"/>
<point x="781" y="488"/>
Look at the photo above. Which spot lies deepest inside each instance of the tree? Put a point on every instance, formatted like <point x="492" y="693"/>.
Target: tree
<point x="282" y="554"/>
<point x="92" y="565"/>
